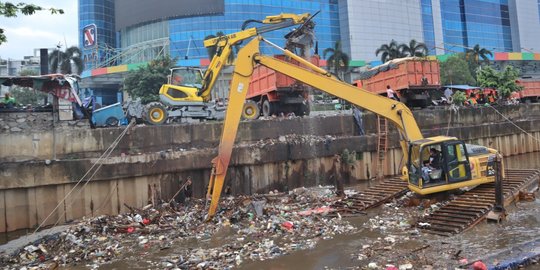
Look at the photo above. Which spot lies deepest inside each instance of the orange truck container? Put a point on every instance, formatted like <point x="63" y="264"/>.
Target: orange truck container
<point x="531" y="90"/>
<point x="411" y="78"/>
<point x="277" y="93"/>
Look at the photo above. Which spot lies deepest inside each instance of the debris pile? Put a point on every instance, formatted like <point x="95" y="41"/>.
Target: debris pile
<point x="257" y="227"/>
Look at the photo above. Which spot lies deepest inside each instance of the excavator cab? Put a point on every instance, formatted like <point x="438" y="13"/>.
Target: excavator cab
<point x="434" y="165"/>
<point x="184" y="84"/>
<point x="186" y="76"/>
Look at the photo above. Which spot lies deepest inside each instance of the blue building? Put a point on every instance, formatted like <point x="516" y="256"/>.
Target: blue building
<point x="143" y="31"/>
<point x="445" y="26"/>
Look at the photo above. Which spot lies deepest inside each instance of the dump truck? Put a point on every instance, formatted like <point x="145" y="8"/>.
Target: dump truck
<point x="531" y="90"/>
<point x="276" y="93"/>
<point x="414" y="79"/>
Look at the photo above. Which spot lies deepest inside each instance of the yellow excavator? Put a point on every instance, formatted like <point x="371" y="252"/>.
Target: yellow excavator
<point x="431" y="165"/>
<point x="188" y="91"/>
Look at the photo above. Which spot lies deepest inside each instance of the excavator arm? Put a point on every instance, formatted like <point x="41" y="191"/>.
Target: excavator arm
<point x="248" y="57"/>
<point x="224" y="45"/>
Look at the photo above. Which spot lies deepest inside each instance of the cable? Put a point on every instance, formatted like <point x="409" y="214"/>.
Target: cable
<point x="507" y="119"/>
<point x="107" y="153"/>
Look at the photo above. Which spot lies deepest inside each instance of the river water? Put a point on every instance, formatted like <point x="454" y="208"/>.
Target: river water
<point x="521" y="226"/>
<point x="343" y="251"/>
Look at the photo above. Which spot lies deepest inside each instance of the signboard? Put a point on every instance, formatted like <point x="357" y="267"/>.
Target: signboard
<point x="89" y="35"/>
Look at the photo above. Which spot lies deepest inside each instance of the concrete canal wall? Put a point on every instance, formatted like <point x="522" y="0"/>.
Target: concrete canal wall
<point x="39" y="168"/>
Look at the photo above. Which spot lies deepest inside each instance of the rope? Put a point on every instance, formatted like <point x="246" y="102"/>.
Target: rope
<point x="107" y="153"/>
<point x="510" y="121"/>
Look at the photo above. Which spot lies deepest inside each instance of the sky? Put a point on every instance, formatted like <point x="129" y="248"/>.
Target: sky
<point x="40" y="30"/>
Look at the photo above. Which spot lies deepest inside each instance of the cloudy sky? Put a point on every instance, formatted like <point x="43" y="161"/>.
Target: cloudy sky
<point x="41" y="30"/>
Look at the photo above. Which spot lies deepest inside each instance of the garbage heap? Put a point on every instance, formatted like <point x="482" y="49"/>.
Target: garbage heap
<point x="176" y="236"/>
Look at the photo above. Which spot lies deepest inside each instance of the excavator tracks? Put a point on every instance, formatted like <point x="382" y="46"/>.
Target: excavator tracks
<point x="371" y="197"/>
<point x="472" y="207"/>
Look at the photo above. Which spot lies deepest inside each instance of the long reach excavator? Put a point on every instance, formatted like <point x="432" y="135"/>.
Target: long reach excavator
<point x="431" y="165"/>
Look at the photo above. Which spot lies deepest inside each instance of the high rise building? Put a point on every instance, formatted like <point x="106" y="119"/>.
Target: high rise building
<point x="445" y="26"/>
<point x="144" y="29"/>
<point x="97" y="30"/>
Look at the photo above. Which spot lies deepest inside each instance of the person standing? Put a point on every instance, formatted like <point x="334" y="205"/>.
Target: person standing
<point x="448" y="94"/>
<point x="391" y="93"/>
<point x="9" y="101"/>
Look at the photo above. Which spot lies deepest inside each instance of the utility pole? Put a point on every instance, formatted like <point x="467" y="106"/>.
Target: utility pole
<point x="58" y="60"/>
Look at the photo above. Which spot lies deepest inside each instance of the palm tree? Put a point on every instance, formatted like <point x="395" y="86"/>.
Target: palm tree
<point x="389" y="51"/>
<point x="414" y="48"/>
<point x="337" y="59"/>
<point x="62" y="61"/>
<point x="212" y="50"/>
<point x="476" y="53"/>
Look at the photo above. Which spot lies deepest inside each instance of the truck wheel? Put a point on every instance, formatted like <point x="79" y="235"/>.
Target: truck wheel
<point x="111" y="122"/>
<point x="267" y="108"/>
<point x="155" y="113"/>
<point x="251" y="110"/>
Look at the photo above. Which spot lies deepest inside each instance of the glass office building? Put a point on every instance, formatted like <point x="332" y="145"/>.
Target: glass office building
<point x="445" y="26"/>
<point x="427" y="25"/>
<point x="189" y="33"/>
<point x="182" y="36"/>
<point x="466" y="23"/>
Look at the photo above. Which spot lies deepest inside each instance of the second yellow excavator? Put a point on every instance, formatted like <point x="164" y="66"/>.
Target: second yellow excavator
<point x="188" y="91"/>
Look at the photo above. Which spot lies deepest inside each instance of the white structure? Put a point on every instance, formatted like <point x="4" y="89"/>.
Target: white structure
<point x="367" y="24"/>
<point x="525" y="23"/>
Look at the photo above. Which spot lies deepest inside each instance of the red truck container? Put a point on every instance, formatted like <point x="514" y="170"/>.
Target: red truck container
<point x="277" y="93"/>
<point x="531" y="90"/>
<point x="411" y="78"/>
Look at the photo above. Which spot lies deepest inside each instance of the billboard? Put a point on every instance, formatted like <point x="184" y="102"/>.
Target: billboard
<point x="132" y="12"/>
<point x="89" y="36"/>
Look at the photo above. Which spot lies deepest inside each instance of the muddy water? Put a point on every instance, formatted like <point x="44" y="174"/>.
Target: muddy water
<point x="522" y="225"/>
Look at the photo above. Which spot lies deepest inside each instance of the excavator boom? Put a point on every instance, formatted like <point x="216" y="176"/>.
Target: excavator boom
<point x="248" y="57"/>
<point x="224" y="45"/>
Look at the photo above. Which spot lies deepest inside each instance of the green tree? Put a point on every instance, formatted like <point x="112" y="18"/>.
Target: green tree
<point x="459" y="98"/>
<point x="504" y="82"/>
<point x="27" y="96"/>
<point x="28" y="72"/>
<point x="478" y="55"/>
<point x="390" y="51"/>
<point x="146" y="81"/>
<point x="414" y="48"/>
<point x="8" y="9"/>
<point x="337" y="60"/>
<point x="455" y="70"/>
<point x="65" y="59"/>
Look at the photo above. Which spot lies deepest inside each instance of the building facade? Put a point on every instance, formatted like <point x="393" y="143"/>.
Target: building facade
<point x="445" y="26"/>
<point x="142" y="31"/>
<point x="179" y="27"/>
